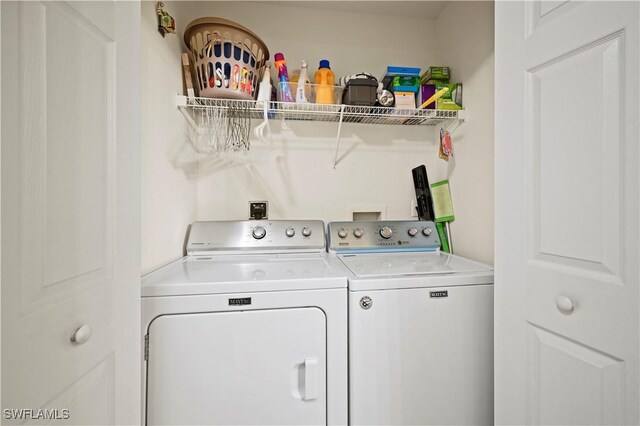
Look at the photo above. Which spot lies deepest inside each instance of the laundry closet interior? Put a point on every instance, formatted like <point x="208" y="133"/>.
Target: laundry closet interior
<point x="297" y="170"/>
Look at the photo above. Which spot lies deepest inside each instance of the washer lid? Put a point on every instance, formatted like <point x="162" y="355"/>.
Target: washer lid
<point x="193" y="275"/>
<point x="376" y="265"/>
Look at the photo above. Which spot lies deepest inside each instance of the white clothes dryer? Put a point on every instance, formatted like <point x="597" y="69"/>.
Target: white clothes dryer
<point x="420" y="327"/>
<point x="248" y="328"/>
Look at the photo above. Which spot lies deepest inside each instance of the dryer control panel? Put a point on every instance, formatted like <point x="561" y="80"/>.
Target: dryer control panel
<point x="256" y="236"/>
<point x="383" y="236"/>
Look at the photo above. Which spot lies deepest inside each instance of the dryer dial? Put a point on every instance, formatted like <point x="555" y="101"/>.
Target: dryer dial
<point x="259" y="232"/>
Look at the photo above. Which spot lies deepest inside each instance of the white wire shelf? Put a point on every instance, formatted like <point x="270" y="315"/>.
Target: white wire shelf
<point x="201" y="113"/>
<point x="327" y="113"/>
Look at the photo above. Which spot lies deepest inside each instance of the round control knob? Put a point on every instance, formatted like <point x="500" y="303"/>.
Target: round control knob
<point x="426" y="231"/>
<point x="342" y="233"/>
<point x="357" y="233"/>
<point x="386" y="232"/>
<point x="259" y="232"/>
<point x="306" y="231"/>
<point x="290" y="232"/>
<point x="412" y="232"/>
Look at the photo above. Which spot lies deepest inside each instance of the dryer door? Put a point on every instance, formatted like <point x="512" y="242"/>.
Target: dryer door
<point x="248" y="367"/>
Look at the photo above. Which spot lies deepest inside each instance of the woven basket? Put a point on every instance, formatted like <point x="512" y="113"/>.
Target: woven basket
<point x="223" y="48"/>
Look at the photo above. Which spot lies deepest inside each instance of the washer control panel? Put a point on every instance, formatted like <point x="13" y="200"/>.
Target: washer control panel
<point x="256" y="236"/>
<point x="388" y="235"/>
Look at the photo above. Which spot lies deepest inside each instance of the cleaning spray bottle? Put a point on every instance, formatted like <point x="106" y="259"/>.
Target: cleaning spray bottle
<point x="283" y="77"/>
<point x="264" y="91"/>
<point x="325" y="80"/>
<point x="301" y="96"/>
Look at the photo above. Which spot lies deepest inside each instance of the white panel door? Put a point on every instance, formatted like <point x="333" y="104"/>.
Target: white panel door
<point x="567" y="218"/>
<point x="251" y="367"/>
<point x="70" y="212"/>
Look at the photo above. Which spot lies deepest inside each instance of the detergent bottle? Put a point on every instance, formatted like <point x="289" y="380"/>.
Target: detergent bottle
<point x="325" y="83"/>
<point x="283" y="77"/>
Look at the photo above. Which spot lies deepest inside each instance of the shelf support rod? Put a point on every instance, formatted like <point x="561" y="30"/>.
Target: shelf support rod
<point x="335" y="157"/>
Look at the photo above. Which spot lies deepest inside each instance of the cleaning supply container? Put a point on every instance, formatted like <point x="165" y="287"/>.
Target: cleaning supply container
<point x="283" y="78"/>
<point x="325" y="81"/>
<point x="228" y="59"/>
<point x="361" y="90"/>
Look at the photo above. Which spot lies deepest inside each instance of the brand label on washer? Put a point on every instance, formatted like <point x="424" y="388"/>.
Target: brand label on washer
<point x="240" y="301"/>
<point x="437" y="294"/>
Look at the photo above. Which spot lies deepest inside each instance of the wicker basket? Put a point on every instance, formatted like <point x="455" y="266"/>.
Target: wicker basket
<point x="228" y="58"/>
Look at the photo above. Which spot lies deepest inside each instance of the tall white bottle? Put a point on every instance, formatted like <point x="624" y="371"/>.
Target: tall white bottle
<point x="301" y="96"/>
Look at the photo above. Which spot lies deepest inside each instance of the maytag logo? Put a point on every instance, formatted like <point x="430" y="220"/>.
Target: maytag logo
<point x="436" y="294"/>
<point x="240" y="301"/>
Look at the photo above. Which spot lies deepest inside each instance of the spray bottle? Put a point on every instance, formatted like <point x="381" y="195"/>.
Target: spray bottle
<point x="283" y="77"/>
<point x="264" y="91"/>
<point x="301" y="96"/>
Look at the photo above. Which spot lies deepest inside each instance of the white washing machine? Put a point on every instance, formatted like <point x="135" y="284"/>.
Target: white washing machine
<point x="248" y="328"/>
<point x="420" y="327"/>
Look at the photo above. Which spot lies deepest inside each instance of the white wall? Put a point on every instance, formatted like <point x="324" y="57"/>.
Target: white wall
<point x="295" y="173"/>
<point x="296" y="176"/>
<point x="169" y="166"/>
<point x="465" y="39"/>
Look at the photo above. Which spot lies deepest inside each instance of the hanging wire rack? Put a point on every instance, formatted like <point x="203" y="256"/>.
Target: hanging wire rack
<point x="329" y="113"/>
<point x="193" y="108"/>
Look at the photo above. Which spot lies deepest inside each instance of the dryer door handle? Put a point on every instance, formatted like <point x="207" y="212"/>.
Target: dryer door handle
<point x="310" y="379"/>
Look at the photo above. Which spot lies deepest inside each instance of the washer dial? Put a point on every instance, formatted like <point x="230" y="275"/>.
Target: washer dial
<point x="386" y="232"/>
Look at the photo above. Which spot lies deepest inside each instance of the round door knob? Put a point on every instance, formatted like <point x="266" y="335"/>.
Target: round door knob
<point x="412" y="232"/>
<point x="306" y="231"/>
<point x="82" y="335"/>
<point x="427" y="231"/>
<point x="564" y="305"/>
<point x="342" y="233"/>
<point x="386" y="232"/>
<point x="290" y="232"/>
<point x="357" y="233"/>
<point x="259" y="232"/>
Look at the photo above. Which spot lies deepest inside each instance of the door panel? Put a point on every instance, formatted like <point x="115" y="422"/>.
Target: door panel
<point x="571" y="384"/>
<point x="575" y="157"/>
<point x="246" y="367"/>
<point x="567" y="217"/>
<point x="67" y="161"/>
<point x="70" y="211"/>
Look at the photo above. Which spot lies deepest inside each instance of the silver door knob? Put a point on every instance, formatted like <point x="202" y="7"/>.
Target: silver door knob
<point x="306" y="231"/>
<point x="82" y="335"/>
<point x="564" y="305"/>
